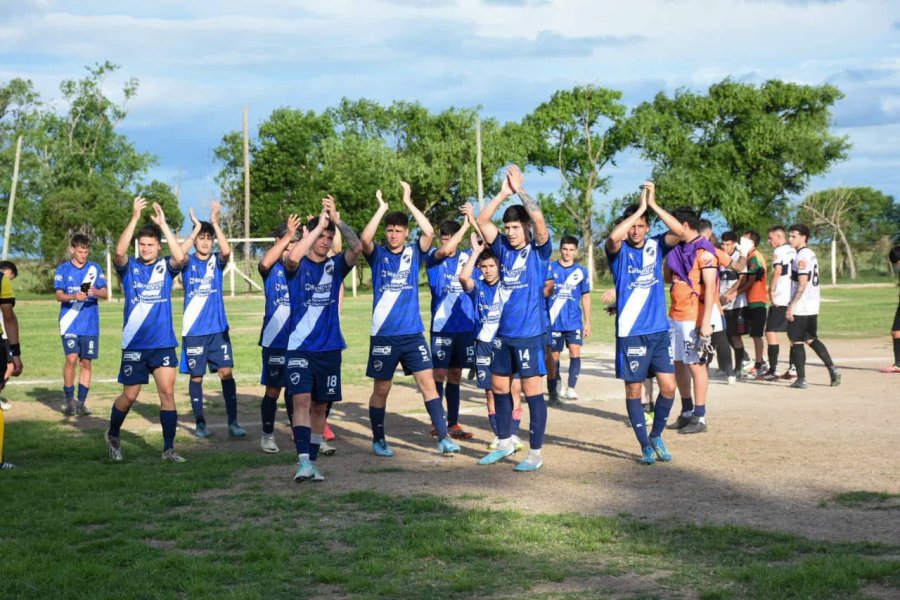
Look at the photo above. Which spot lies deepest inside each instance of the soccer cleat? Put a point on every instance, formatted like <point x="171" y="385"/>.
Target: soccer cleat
<point x="114" y="448"/>
<point x="235" y="430"/>
<point x="770" y="376"/>
<point x="648" y="456"/>
<point x="499" y="454"/>
<point x="730" y="380"/>
<point x="532" y="462"/>
<point x="800" y="384"/>
<point x="7" y="466"/>
<point x="571" y="394"/>
<point x="201" y="431"/>
<point x="659" y="447"/>
<point x="458" y="433"/>
<point x="560" y="389"/>
<point x="69" y="407"/>
<point x="791" y="373"/>
<point x="305" y="470"/>
<point x="317" y="476"/>
<point x="890" y="369"/>
<point x="267" y="443"/>
<point x="446" y="446"/>
<point x="328" y="434"/>
<point x="171" y="456"/>
<point x="680" y="423"/>
<point x="493" y="445"/>
<point x="380" y="447"/>
<point x="695" y="426"/>
<point x="517" y="443"/>
<point x="82" y="411"/>
<point x="326" y="449"/>
<point x="5" y="405"/>
<point x="835" y="377"/>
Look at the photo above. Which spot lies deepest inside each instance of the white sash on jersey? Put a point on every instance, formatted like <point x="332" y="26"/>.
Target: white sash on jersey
<point x="142" y="310"/>
<point x="311" y="317"/>
<point x="489" y="331"/>
<point x="445" y="308"/>
<point x="196" y="304"/>
<point x="68" y="317"/>
<point x="518" y="264"/>
<point x="389" y="297"/>
<point x="276" y="323"/>
<point x="574" y="278"/>
<point x="638" y="299"/>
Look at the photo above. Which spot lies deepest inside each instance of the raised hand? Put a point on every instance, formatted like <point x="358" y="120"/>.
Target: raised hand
<point x="194" y="220"/>
<point x="650" y="188"/>
<point x="468" y="212"/>
<point x="381" y="202"/>
<point x="328" y="205"/>
<point x="477" y="243"/>
<point x="514" y="178"/>
<point x="138" y="207"/>
<point x="158" y="216"/>
<point x="407" y="193"/>
<point x="293" y="224"/>
<point x="215" y="211"/>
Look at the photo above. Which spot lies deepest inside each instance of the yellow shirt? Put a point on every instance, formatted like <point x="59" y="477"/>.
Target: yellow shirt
<point x="6" y="294"/>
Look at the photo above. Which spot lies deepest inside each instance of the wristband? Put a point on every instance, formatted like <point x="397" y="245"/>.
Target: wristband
<point x="15" y="349"/>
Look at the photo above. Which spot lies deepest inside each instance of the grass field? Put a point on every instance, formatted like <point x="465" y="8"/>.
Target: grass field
<point x="76" y="526"/>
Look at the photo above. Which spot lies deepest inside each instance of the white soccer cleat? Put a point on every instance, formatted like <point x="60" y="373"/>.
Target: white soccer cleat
<point x="571" y="394"/>
<point x="267" y="443"/>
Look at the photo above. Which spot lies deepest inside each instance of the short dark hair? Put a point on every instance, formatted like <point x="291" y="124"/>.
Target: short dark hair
<point x="894" y="255"/>
<point x="568" y="239"/>
<point x="396" y="217"/>
<point x="630" y="210"/>
<point x="281" y="231"/>
<point x="79" y="240"/>
<point x="753" y="235"/>
<point x="488" y="254"/>
<point x="150" y="230"/>
<point x="801" y="229"/>
<point x="450" y="227"/>
<point x="11" y="267"/>
<point x="206" y="228"/>
<point x="314" y="222"/>
<point x="516" y="212"/>
<point x="774" y="228"/>
<point x="705" y="225"/>
<point x="686" y="214"/>
<point x="728" y="236"/>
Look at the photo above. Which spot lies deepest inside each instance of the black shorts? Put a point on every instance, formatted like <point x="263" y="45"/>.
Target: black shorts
<point x="736" y="321"/>
<point x="777" y="319"/>
<point x="896" y="326"/>
<point x="803" y="327"/>
<point x="5" y="355"/>
<point x="756" y="321"/>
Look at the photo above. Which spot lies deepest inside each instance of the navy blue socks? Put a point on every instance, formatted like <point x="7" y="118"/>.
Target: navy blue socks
<point x="660" y="414"/>
<point x="267" y="408"/>
<point x="435" y="410"/>
<point x="537" y="409"/>
<point x="638" y="421"/>
<point x="574" y="371"/>
<point x="195" y="390"/>
<point x="169" y="421"/>
<point x="229" y="391"/>
<point x="376" y="416"/>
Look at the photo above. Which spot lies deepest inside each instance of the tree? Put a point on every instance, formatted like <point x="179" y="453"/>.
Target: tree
<point x="850" y="216"/>
<point x="741" y="148"/>
<point x="576" y="136"/>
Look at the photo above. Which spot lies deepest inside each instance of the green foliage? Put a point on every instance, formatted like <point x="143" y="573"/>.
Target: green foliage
<point x="742" y="149"/>
<point x="865" y="215"/>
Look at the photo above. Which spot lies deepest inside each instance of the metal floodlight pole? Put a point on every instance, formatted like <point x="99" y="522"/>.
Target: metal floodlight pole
<point x="246" y="194"/>
<point x="7" y="233"/>
<point x="478" y="162"/>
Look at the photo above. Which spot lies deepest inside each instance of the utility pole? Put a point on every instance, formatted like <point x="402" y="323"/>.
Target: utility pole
<point x="478" y="162"/>
<point x="7" y="233"/>
<point x="246" y="196"/>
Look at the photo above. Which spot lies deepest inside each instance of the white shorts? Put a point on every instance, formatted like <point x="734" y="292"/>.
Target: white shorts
<point x="685" y="336"/>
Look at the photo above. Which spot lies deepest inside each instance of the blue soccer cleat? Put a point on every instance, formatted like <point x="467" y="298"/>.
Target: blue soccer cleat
<point x="499" y="454"/>
<point x="648" y="456"/>
<point x="235" y="430"/>
<point x="201" y="431"/>
<point x="381" y="448"/>
<point x="659" y="447"/>
<point x="446" y="446"/>
<point x="532" y="462"/>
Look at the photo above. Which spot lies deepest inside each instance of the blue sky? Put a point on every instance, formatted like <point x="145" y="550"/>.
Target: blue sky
<point x="200" y="62"/>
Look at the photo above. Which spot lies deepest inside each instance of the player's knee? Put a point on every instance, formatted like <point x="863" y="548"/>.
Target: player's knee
<point x="226" y="373"/>
<point x="86" y="364"/>
<point x="71" y="360"/>
<point x="454" y="376"/>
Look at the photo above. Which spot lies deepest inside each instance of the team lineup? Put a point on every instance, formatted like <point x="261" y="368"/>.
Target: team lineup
<point x="501" y="310"/>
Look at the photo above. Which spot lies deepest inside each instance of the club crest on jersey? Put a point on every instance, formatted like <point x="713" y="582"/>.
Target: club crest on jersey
<point x="192" y="363"/>
<point x="633" y="365"/>
<point x="650" y="250"/>
<point x="70" y="343"/>
<point x="127" y="370"/>
<point x="295" y="378"/>
<point x="441" y="354"/>
<point x="481" y="375"/>
<point x="636" y="351"/>
<point x="329" y="267"/>
<point x="378" y="365"/>
<point x="381" y="351"/>
<point x="159" y="268"/>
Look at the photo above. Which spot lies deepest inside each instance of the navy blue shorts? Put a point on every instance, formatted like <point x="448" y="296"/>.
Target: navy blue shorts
<point x="483" y="352"/>
<point x="387" y="351"/>
<point x="641" y="356"/>
<point x="315" y="373"/>
<point x="524" y="356"/>
<point x="200" y="351"/>
<point x="562" y="339"/>
<point x="274" y="367"/>
<point x="453" y="350"/>
<point x="138" y="364"/>
<point x="85" y="346"/>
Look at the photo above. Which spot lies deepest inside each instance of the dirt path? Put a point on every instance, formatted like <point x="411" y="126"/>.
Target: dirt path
<point x="770" y="459"/>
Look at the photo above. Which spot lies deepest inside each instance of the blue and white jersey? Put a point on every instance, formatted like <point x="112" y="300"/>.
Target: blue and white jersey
<point x="522" y="276"/>
<point x="640" y="292"/>
<point x="395" y="284"/>
<point x="488" y="306"/>
<point x="315" y="289"/>
<point x="148" y="304"/>
<point x="277" y="316"/>
<point x="204" y="307"/>
<point x="452" y="310"/>
<point x="78" y="318"/>
<point x="571" y="283"/>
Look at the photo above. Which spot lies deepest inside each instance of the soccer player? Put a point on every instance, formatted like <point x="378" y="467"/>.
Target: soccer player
<point x="779" y="297"/>
<point x="803" y="309"/>
<point x="643" y="349"/>
<point x="273" y="337"/>
<point x="9" y="270"/>
<point x="519" y="346"/>
<point x="734" y="304"/>
<point x="9" y="349"/>
<point x="148" y="336"/>
<point x="754" y="286"/>
<point x="894" y="257"/>
<point x="695" y="313"/>
<point x="204" y="331"/>
<point x="397" y="334"/>
<point x="570" y="310"/>
<point x="79" y="282"/>
<point x="315" y="342"/>
<point x="452" y="319"/>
